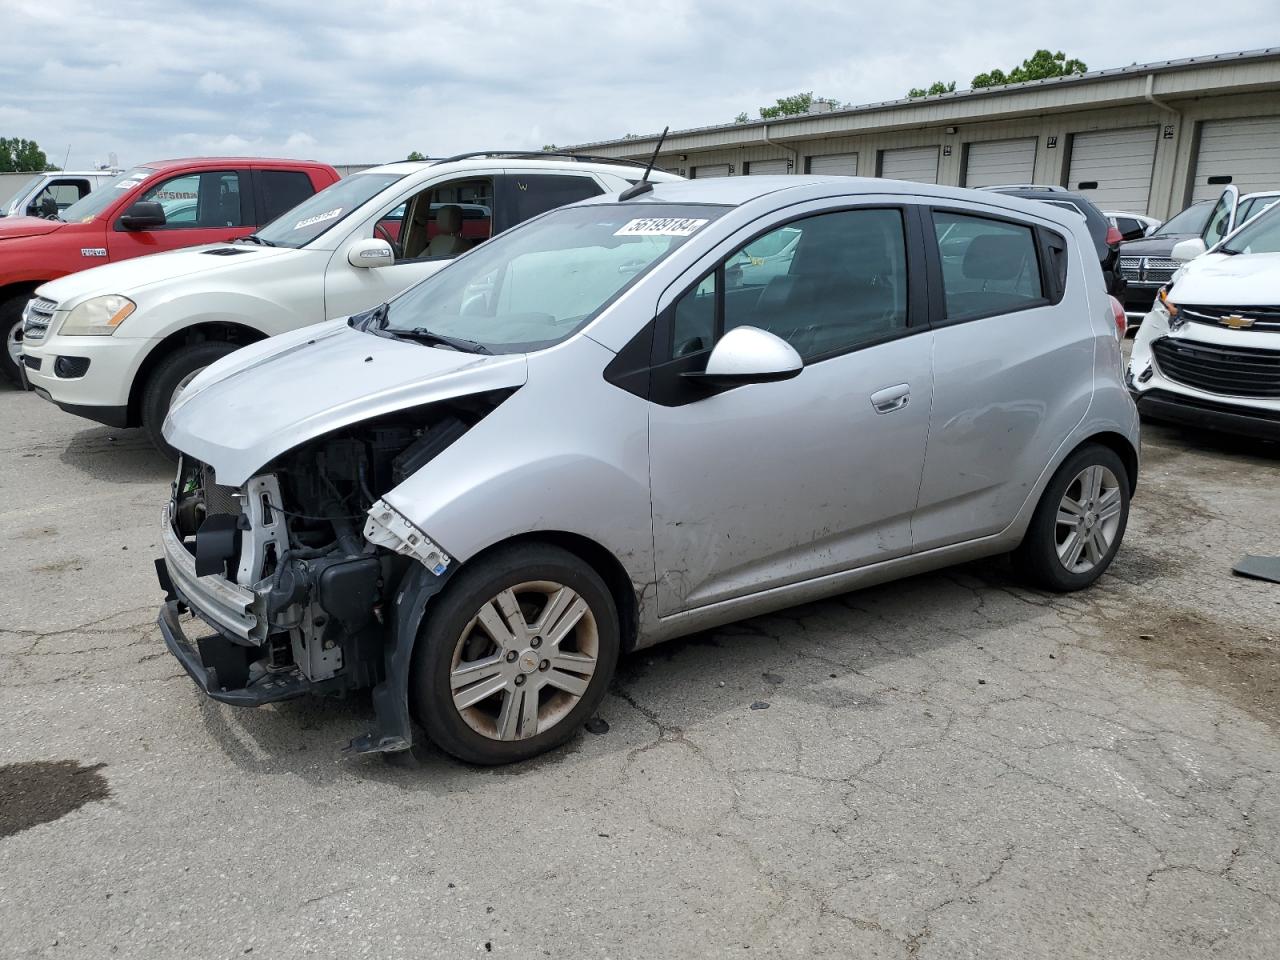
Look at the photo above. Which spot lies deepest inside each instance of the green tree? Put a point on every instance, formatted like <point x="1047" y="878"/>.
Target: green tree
<point x="742" y="118"/>
<point x="21" y="156"/>
<point x="936" y="87"/>
<point x="415" y="155"/>
<point x="1039" y="66"/>
<point x="788" y="106"/>
<point x="549" y="148"/>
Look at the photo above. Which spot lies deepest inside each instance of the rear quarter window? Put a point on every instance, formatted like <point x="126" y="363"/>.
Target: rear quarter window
<point x="282" y="190"/>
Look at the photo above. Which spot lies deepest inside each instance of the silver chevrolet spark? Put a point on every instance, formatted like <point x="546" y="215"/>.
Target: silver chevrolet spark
<point x="632" y="419"/>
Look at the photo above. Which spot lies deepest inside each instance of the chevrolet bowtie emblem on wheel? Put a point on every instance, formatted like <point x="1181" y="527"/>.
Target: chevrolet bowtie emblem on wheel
<point x="1235" y="321"/>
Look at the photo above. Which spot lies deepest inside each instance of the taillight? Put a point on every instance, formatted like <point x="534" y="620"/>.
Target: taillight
<point x="1122" y="322"/>
<point x="1114" y="237"/>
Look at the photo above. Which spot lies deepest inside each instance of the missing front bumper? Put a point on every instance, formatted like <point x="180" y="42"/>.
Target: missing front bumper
<point x="214" y="663"/>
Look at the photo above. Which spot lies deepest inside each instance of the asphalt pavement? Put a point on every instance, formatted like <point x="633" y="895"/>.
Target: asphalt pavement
<point x="948" y="766"/>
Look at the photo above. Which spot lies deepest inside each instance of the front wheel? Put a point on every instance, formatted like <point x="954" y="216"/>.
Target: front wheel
<point x="175" y="372"/>
<point x="1079" y="522"/>
<point x="515" y="655"/>
<point x="11" y="324"/>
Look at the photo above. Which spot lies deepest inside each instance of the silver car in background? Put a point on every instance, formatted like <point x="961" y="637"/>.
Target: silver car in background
<point x="632" y="419"/>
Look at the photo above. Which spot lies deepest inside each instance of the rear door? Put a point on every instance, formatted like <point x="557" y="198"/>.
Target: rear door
<point x="204" y="206"/>
<point x="1013" y="367"/>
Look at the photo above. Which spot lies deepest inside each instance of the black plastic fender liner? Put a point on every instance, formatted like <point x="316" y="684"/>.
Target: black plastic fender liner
<point x="393" y="729"/>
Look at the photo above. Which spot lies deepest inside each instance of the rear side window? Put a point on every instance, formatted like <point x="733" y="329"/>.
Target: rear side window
<point x="988" y="266"/>
<point x="282" y="190"/>
<point x="537" y="193"/>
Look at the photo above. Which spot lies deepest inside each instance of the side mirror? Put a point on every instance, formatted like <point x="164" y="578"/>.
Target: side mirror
<point x="749" y="355"/>
<point x="371" y="252"/>
<point x="143" y="215"/>
<point x="1185" y="250"/>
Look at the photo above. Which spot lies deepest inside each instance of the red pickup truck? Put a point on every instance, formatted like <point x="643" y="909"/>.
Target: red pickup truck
<point x="154" y="207"/>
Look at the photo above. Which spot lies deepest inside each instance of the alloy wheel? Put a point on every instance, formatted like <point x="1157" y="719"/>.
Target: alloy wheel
<point x="524" y="661"/>
<point x="1088" y="519"/>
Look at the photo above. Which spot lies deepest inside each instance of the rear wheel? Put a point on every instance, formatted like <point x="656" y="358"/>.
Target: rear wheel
<point x="1079" y="523"/>
<point x="175" y="372"/>
<point x="11" y="324"/>
<point x="515" y="655"/>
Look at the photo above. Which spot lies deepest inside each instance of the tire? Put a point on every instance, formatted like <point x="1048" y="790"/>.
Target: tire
<point x="454" y="634"/>
<point x="11" y="326"/>
<point x="1096" y="527"/>
<point x="174" y="370"/>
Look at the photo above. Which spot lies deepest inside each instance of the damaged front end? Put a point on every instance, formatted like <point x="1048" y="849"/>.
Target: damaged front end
<point x="303" y="579"/>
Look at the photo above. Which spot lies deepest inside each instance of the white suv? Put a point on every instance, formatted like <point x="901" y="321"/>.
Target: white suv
<point x="117" y="342"/>
<point x="1208" y="354"/>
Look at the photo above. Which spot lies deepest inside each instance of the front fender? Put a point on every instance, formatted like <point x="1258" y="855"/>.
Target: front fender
<point x="568" y="453"/>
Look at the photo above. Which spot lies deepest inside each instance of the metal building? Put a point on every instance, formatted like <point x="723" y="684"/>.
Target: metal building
<point x="1144" y="138"/>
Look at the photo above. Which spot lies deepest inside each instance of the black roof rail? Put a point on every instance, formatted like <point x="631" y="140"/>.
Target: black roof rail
<point x="541" y="155"/>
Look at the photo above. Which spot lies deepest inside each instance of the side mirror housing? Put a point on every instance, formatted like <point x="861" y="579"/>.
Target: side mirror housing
<point x="371" y="252"/>
<point x="749" y="355"/>
<point x="143" y="215"/>
<point x="1185" y="250"/>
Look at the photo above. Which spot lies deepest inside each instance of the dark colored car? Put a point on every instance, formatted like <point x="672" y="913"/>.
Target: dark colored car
<point x="1106" y="238"/>
<point x="1147" y="264"/>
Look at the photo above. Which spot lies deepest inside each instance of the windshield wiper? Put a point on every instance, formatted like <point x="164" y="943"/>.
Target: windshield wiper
<point x="1228" y="251"/>
<point x="254" y="238"/>
<point x="423" y="335"/>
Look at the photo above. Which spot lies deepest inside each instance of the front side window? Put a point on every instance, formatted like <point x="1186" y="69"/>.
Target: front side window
<point x="442" y="221"/>
<point x="539" y="283"/>
<point x="825" y="284"/>
<point x="315" y="216"/>
<point x="208" y="199"/>
<point x="57" y="196"/>
<point x="988" y="266"/>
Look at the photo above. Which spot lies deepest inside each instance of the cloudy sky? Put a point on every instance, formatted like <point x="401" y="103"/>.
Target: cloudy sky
<point x="368" y="82"/>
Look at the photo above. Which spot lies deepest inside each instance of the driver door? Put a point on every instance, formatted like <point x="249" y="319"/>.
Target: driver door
<point x="424" y="235"/>
<point x="770" y="484"/>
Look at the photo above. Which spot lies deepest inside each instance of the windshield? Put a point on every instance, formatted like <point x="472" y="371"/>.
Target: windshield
<point x="1190" y="220"/>
<point x="538" y="284"/>
<point x="12" y="207"/>
<point x="328" y="208"/>
<point x="1259" y="235"/>
<point x="87" y="208"/>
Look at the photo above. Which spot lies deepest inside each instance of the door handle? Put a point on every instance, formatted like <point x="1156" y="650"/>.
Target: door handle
<point x="891" y="398"/>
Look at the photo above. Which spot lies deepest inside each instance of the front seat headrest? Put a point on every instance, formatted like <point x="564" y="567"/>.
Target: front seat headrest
<point x="449" y="219"/>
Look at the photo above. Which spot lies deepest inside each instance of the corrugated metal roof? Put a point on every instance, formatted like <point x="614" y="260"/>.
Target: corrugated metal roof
<point x="1093" y="76"/>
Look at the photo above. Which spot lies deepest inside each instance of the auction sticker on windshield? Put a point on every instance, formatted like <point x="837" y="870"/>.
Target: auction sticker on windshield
<point x="318" y="218"/>
<point x="660" y="227"/>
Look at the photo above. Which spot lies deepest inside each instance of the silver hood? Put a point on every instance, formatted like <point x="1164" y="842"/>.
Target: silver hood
<point x="264" y="400"/>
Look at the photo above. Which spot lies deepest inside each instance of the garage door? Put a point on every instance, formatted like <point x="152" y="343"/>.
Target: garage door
<point x="766" y="167"/>
<point x="835" y="164"/>
<point x="711" y="170"/>
<point x="1000" y="161"/>
<point x="1246" y="151"/>
<point x="1113" y="167"/>
<point x="913" y="163"/>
